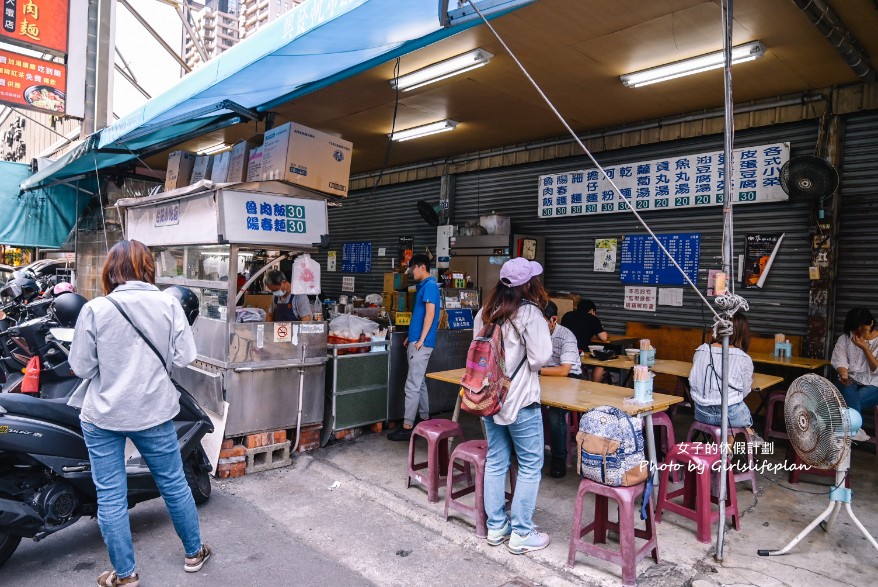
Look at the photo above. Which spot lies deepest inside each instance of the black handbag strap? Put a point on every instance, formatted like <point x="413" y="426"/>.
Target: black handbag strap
<point x="140" y="332"/>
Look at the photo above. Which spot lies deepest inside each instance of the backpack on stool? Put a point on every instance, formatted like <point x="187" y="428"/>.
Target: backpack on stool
<point x="610" y="447"/>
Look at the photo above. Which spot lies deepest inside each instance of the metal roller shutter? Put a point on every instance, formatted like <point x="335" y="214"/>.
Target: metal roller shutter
<point x="856" y="264"/>
<point x="781" y="307"/>
<point x="381" y="219"/>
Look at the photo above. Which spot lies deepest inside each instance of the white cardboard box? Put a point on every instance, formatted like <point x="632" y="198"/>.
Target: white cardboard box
<point x="180" y="165"/>
<point x="238" y="163"/>
<point x="202" y="168"/>
<point x="220" y="171"/>
<point x="254" y="164"/>
<point x="307" y="157"/>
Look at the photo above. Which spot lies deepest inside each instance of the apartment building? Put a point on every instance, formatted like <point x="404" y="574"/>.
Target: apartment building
<point x="255" y="14"/>
<point x="217" y="25"/>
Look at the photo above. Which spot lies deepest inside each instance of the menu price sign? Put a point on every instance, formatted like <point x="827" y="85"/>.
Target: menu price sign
<point x="356" y="257"/>
<point x="38" y="24"/>
<point x="32" y="82"/>
<point x="687" y="181"/>
<point x="644" y="262"/>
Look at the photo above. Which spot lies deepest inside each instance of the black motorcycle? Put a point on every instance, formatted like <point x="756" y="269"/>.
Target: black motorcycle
<point x="45" y="474"/>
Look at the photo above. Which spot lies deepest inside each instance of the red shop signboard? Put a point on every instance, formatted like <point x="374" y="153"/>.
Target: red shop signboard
<point x="38" y="24"/>
<point x="32" y="82"/>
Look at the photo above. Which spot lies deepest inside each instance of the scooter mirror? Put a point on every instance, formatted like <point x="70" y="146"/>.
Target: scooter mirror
<point x="62" y="334"/>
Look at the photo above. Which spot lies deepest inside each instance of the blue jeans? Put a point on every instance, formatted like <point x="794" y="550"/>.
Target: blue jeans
<point x="739" y="415"/>
<point x="161" y="452"/>
<point x="859" y="397"/>
<point x="526" y="436"/>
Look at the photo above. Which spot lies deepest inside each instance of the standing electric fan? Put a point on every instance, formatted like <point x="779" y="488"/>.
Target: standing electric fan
<point x="820" y="427"/>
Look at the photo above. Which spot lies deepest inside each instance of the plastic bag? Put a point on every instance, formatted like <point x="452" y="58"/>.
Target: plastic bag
<point x="348" y="326"/>
<point x="249" y="314"/>
<point x="306" y="275"/>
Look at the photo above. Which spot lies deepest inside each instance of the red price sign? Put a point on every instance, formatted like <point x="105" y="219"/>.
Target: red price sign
<point x="32" y="82"/>
<point x="39" y="24"/>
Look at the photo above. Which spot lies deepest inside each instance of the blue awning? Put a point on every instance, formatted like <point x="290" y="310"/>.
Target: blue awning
<point x="314" y="45"/>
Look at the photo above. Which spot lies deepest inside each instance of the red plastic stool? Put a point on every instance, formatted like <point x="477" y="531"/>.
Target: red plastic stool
<point x="778" y="397"/>
<point x="662" y="421"/>
<point x="714" y="433"/>
<point x="473" y="453"/>
<point x="628" y="554"/>
<point x="698" y="459"/>
<point x="796" y="471"/>
<point x="437" y="433"/>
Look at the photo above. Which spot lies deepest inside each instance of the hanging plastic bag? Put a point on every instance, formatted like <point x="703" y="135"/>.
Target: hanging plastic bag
<point x="31" y="381"/>
<point x="306" y="276"/>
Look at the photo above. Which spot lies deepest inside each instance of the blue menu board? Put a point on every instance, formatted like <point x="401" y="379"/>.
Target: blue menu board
<point x="644" y="262"/>
<point x="356" y="257"/>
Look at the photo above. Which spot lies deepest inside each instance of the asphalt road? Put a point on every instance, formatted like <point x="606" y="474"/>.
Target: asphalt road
<point x="250" y="548"/>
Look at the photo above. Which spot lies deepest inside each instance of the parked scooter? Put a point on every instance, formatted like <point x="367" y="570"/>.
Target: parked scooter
<point x="45" y="474"/>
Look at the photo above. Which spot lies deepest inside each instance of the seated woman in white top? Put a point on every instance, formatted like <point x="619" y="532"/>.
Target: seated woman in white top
<point x="705" y="379"/>
<point x="855" y="359"/>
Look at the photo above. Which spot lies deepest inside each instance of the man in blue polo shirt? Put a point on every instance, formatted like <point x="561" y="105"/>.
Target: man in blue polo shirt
<point x="420" y="343"/>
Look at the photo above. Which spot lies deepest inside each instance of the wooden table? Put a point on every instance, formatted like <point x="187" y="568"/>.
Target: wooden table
<point x="794" y="362"/>
<point x="615" y="339"/>
<point x="578" y="395"/>
<point x="681" y="369"/>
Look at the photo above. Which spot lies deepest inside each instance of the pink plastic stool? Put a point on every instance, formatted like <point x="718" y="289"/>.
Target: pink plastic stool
<point x="698" y="458"/>
<point x="796" y="471"/>
<point x="662" y="421"/>
<point x="628" y="554"/>
<point x="714" y="433"/>
<point x="437" y="433"/>
<point x="473" y="453"/>
<point x="777" y="397"/>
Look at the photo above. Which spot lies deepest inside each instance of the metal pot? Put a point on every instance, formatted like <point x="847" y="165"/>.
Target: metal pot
<point x="472" y="228"/>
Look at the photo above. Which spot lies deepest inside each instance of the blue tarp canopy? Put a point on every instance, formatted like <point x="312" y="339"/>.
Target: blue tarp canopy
<point x="34" y="219"/>
<point x="314" y="45"/>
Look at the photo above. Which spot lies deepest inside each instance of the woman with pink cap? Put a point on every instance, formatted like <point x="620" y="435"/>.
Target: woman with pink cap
<point x="516" y="305"/>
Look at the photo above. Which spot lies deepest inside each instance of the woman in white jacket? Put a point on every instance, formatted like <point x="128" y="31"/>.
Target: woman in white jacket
<point x="516" y="304"/>
<point x="131" y="396"/>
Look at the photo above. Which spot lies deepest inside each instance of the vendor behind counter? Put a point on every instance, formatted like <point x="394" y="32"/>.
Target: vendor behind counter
<point x="285" y="306"/>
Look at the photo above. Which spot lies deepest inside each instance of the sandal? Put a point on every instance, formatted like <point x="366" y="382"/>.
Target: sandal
<point x="193" y="564"/>
<point x="111" y="579"/>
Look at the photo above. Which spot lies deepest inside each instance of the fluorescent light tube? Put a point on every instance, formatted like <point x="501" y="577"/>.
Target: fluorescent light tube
<point x="424" y="130"/>
<point x="740" y="54"/>
<point x="213" y="149"/>
<point x="443" y="69"/>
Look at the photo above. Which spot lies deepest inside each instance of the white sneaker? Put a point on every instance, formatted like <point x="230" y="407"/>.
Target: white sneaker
<point x="533" y="541"/>
<point x="860" y="436"/>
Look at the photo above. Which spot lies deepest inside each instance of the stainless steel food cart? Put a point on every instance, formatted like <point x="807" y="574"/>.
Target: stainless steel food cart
<point x="271" y="374"/>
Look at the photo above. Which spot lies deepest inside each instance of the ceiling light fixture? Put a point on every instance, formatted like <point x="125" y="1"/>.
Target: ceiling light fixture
<point x="443" y="69"/>
<point x="740" y="54"/>
<point x="423" y="130"/>
<point x="213" y="149"/>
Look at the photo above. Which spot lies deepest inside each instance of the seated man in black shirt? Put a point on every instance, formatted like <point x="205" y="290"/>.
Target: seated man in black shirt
<point x="585" y="325"/>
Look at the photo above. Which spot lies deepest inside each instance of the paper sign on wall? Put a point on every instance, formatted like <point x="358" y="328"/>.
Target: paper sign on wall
<point x="670" y="296"/>
<point x="640" y="298"/>
<point x="347" y="283"/>
<point x="331" y="261"/>
<point x="759" y="253"/>
<point x="605" y="255"/>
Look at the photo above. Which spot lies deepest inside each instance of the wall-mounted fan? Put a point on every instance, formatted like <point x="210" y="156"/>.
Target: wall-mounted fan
<point x="429" y="212"/>
<point x="809" y="177"/>
<point x="820" y="427"/>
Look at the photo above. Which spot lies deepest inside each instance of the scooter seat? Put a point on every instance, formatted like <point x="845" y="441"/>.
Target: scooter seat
<point x="53" y="410"/>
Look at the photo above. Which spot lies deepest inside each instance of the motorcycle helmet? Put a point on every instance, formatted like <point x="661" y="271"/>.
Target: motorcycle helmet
<point x="63" y="287"/>
<point x="65" y="309"/>
<point x="188" y="300"/>
<point x="20" y="289"/>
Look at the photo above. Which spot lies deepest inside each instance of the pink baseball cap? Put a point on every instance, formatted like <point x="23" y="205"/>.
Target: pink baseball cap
<point x="519" y="271"/>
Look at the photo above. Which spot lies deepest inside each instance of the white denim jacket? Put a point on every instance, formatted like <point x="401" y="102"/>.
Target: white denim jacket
<point x="130" y="390"/>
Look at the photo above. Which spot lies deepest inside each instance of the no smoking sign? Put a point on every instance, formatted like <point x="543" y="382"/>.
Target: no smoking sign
<point x="283" y="332"/>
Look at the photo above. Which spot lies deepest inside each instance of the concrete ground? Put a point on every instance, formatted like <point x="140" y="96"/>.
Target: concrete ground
<point x="342" y="516"/>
